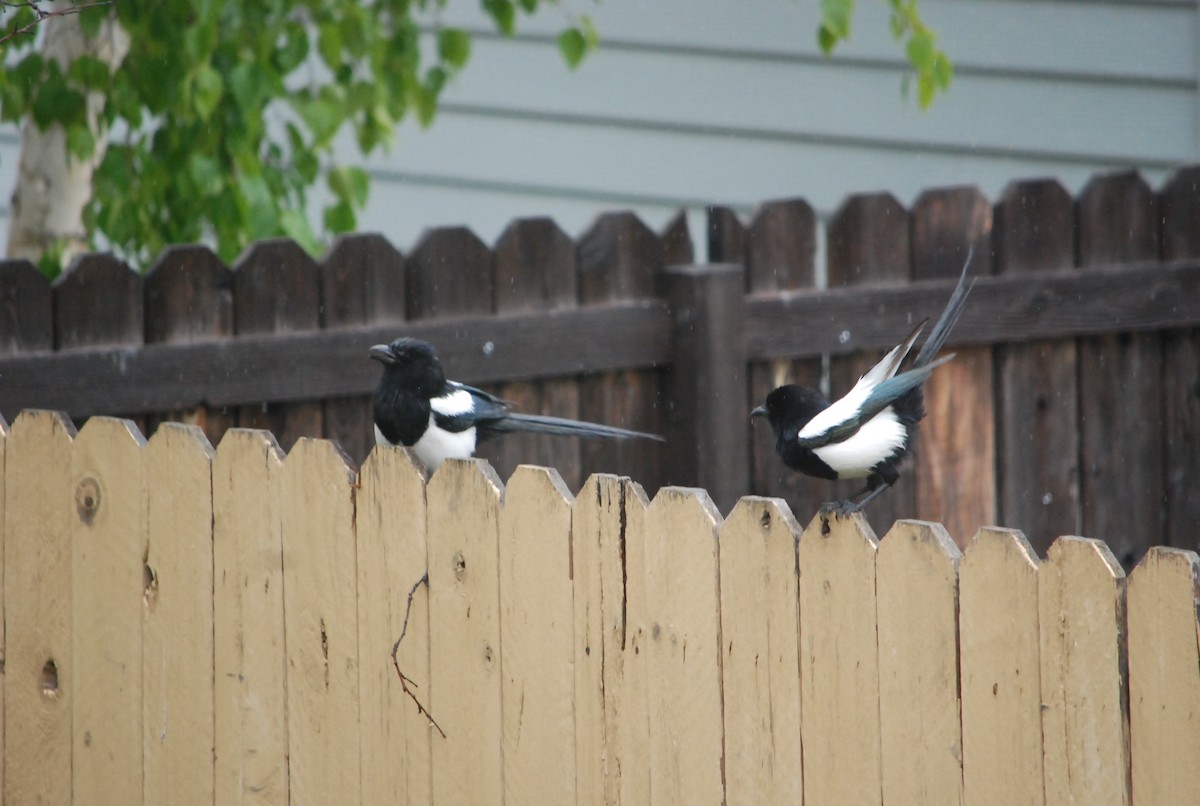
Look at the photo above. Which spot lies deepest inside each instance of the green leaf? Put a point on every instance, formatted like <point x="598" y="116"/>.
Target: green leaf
<point x="339" y="217"/>
<point x="207" y="88"/>
<point x="205" y="173"/>
<point x="322" y="115"/>
<point x="835" y="19"/>
<point x="329" y="44"/>
<point x="454" y="46"/>
<point x="293" y="49"/>
<point x="920" y="51"/>
<point x="294" y="224"/>
<point x="55" y="101"/>
<point x="81" y="143"/>
<point x="350" y="185"/>
<point x="504" y="13"/>
<point x="572" y="44"/>
<point x="90" y="19"/>
<point x="90" y="73"/>
<point x="261" y="216"/>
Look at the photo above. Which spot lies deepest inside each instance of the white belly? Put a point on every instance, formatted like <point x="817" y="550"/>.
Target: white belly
<point x="436" y="445"/>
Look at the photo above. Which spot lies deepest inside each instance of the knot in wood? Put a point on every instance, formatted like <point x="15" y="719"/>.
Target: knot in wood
<point x="87" y="499"/>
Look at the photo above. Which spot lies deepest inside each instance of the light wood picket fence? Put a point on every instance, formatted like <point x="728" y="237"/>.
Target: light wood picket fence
<point x="185" y="625"/>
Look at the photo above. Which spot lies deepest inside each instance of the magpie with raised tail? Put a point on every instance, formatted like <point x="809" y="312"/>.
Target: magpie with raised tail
<point x="416" y="406"/>
<point x="865" y="433"/>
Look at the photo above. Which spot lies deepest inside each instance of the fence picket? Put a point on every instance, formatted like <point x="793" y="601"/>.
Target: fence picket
<point x="320" y="613"/>
<point x="26" y="310"/>
<point x="362" y="282"/>
<point x="536" y="270"/>
<point x="250" y="725"/>
<point x="954" y="462"/>
<point x="276" y="289"/>
<point x="1120" y="387"/>
<point x="683" y="646"/>
<point x="1164" y="676"/>
<point x="839" y="663"/>
<point x="869" y="245"/>
<point x="620" y="258"/>
<point x="537" y="650"/>
<point x="390" y="524"/>
<point x="1038" y="448"/>
<point x="39" y="667"/>
<point x="609" y="694"/>
<point x="1085" y="727"/>
<point x="108" y="544"/>
<point x="463" y="500"/>
<point x="780" y="255"/>
<point x="1179" y="207"/>
<point x="189" y="297"/>
<point x="920" y="727"/>
<point x="760" y="653"/>
<point x="177" y="658"/>
<point x="1001" y="688"/>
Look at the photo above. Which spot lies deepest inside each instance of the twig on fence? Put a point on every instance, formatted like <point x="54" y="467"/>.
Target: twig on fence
<point x="404" y="680"/>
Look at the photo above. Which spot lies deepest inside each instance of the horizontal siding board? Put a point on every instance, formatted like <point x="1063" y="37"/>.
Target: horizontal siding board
<point x="1149" y="40"/>
<point x="835" y="100"/>
<point x="442" y="176"/>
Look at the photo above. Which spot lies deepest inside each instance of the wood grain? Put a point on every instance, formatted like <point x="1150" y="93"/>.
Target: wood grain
<point x="620" y="259"/>
<point x="683" y="660"/>
<point x="1000" y="676"/>
<point x="320" y="615"/>
<point x="189" y="298"/>
<point x="390" y="524"/>
<point x="276" y="289"/>
<point x="839" y="668"/>
<point x="954" y="459"/>
<point x="177" y="629"/>
<point x="537" y="624"/>
<point x="1164" y="676"/>
<point x="920" y="726"/>
<point x="1120" y="387"/>
<point x="536" y="271"/>
<point x="39" y="665"/>
<point x="250" y="723"/>
<point x="362" y="283"/>
<point x="1085" y="727"/>
<point x="464" y="632"/>
<point x="108" y="545"/>
<point x="760" y="660"/>
<point x="1038" y="447"/>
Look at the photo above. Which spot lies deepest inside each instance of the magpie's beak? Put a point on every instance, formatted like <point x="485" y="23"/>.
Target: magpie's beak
<point x="383" y="353"/>
<point x="761" y="411"/>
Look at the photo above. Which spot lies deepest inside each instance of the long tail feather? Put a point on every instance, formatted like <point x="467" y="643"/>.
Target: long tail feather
<point x="561" y="426"/>
<point x="949" y="317"/>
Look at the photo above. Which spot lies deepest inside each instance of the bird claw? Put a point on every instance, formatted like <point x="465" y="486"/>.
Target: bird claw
<point x="840" y="508"/>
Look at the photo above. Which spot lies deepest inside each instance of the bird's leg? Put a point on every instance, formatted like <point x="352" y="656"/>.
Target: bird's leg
<point x="883" y="478"/>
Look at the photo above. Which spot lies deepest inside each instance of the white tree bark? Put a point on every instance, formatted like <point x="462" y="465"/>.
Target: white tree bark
<point x="52" y="186"/>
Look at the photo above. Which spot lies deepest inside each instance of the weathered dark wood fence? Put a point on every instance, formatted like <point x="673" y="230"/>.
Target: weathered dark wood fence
<point x="1073" y="407"/>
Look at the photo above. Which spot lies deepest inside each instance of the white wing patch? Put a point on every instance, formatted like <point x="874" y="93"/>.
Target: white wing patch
<point x="848" y="406"/>
<point x="876" y="440"/>
<point x="457" y="402"/>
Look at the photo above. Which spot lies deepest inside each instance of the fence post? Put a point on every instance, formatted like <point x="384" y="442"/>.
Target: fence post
<point x="708" y="419"/>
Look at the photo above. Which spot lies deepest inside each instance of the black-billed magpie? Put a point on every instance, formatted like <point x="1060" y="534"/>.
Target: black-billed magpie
<point x="439" y="419"/>
<point x="868" y="431"/>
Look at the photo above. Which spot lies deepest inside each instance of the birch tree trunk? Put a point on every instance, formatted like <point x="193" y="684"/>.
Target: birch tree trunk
<point x="52" y="186"/>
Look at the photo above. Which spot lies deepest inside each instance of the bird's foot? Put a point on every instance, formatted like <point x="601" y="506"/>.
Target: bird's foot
<point x="840" y="508"/>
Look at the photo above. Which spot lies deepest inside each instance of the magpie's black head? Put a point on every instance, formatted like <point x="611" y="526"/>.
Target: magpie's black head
<point x="411" y="365"/>
<point x="791" y="407"/>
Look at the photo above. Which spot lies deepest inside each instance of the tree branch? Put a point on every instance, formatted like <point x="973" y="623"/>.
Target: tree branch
<point x="404" y="681"/>
<point x="41" y="15"/>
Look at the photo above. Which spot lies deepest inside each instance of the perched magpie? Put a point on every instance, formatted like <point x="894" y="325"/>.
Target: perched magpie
<point x="867" y="432"/>
<point x="440" y="419"/>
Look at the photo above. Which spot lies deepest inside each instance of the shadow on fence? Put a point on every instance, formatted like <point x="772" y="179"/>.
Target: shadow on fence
<point x="186" y="625"/>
